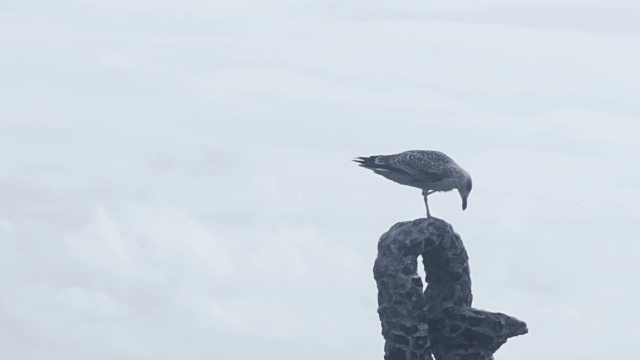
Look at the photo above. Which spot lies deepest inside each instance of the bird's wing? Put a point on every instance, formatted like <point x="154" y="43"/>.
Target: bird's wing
<point x="427" y="166"/>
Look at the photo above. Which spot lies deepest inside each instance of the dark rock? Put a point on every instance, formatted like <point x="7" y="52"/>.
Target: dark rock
<point x="440" y="321"/>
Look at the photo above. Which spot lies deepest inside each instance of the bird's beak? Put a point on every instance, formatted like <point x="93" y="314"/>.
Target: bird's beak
<point x="464" y="203"/>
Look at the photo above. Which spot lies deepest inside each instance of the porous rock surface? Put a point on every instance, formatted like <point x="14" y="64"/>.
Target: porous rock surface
<point x="439" y="321"/>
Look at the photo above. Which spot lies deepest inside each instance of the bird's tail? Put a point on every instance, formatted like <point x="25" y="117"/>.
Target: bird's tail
<point x="371" y="162"/>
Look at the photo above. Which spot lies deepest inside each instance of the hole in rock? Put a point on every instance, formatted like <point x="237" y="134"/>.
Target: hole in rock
<point x="422" y="273"/>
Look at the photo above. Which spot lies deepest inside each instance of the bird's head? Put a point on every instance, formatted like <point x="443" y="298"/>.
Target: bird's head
<point x="465" y="189"/>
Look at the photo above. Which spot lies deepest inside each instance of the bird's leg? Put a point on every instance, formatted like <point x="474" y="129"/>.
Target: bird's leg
<point x="426" y="204"/>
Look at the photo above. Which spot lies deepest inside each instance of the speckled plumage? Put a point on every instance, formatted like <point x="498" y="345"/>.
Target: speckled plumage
<point x="428" y="170"/>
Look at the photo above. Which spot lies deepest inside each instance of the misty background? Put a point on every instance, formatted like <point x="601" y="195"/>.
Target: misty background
<point x="176" y="178"/>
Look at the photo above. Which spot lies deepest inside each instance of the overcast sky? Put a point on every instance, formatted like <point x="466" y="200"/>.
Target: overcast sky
<point x="176" y="179"/>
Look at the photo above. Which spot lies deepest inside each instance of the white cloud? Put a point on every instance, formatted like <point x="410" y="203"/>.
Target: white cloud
<point x="176" y="178"/>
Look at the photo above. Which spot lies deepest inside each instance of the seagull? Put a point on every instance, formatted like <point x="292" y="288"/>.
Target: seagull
<point x="427" y="170"/>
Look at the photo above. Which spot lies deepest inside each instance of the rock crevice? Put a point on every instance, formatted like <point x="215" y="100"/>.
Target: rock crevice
<point x="439" y="321"/>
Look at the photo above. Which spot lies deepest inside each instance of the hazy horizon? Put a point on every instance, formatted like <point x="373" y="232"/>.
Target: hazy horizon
<point x="177" y="178"/>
